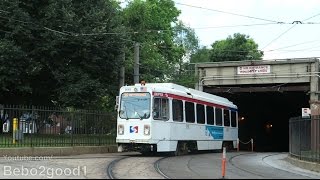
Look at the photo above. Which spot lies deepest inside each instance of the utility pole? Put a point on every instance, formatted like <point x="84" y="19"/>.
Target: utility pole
<point x="122" y="69"/>
<point x="136" y="63"/>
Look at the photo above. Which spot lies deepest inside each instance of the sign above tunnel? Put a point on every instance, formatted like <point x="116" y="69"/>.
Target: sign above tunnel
<point x="261" y="69"/>
<point x="299" y="75"/>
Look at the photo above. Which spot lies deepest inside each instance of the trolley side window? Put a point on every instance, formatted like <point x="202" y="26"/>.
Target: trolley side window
<point x="210" y="115"/>
<point x="226" y="117"/>
<point x="233" y="118"/>
<point x="161" y="109"/>
<point x="200" y="114"/>
<point x="218" y="116"/>
<point x="190" y="112"/>
<point x="177" y="110"/>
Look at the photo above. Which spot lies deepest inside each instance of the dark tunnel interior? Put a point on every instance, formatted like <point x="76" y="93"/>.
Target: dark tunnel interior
<point x="266" y="118"/>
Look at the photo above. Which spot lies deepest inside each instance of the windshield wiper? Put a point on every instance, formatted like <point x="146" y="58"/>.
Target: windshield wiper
<point x="138" y="114"/>
<point x="125" y="110"/>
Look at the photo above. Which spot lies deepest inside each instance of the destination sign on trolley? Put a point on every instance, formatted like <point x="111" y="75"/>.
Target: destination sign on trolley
<point x="261" y="69"/>
<point x="134" y="94"/>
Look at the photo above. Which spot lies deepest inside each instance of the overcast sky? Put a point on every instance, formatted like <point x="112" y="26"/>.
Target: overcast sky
<point x="258" y="19"/>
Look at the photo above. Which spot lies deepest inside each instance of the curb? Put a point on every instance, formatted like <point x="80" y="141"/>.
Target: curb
<point x="57" y="151"/>
<point x="304" y="164"/>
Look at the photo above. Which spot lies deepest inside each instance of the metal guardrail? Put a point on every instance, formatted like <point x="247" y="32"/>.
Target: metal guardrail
<point x="49" y="127"/>
<point x="304" y="138"/>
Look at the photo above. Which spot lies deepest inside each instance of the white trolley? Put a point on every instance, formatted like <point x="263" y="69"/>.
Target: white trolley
<point x="166" y="117"/>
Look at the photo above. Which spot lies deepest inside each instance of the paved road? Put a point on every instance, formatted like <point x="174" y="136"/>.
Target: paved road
<point x="91" y="166"/>
<point x="239" y="166"/>
<point x="94" y="166"/>
<point x="279" y="161"/>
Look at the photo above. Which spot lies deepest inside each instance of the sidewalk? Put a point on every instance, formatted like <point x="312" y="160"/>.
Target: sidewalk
<point x="284" y="162"/>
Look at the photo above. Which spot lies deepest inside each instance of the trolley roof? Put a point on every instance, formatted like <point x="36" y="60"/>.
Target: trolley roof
<point x="187" y="92"/>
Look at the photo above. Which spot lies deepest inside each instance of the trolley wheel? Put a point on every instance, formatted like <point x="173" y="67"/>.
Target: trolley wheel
<point x="228" y="145"/>
<point x="120" y="148"/>
<point x="149" y="151"/>
<point x="181" y="149"/>
<point x="192" y="147"/>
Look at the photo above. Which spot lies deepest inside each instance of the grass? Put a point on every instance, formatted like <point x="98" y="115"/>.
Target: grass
<point x="40" y="140"/>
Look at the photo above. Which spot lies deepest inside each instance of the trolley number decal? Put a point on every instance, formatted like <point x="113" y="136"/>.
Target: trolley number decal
<point x="161" y="94"/>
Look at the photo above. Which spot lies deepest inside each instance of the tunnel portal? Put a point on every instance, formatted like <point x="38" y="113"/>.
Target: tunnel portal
<point x="267" y="93"/>
<point x="264" y="116"/>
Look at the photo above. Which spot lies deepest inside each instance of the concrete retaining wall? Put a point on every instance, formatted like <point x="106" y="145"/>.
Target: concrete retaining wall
<point x="57" y="151"/>
<point x="304" y="164"/>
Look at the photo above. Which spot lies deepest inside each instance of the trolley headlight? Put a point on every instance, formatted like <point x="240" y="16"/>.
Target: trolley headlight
<point x="120" y="129"/>
<point x="146" y="130"/>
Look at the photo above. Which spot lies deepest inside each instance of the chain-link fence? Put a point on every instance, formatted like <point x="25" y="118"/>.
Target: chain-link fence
<point x="304" y="138"/>
<point x="29" y="126"/>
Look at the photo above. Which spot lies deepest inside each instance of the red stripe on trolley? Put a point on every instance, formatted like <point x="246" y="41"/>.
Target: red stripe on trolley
<point x="178" y="97"/>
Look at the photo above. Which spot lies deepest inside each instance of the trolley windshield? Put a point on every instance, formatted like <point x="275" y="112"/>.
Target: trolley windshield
<point x="135" y="105"/>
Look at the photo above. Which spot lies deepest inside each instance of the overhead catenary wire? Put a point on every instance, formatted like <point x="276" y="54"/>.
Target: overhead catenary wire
<point x="310" y="17"/>
<point x="235" y="14"/>
<point x="240" y="25"/>
<point x="137" y="32"/>
<point x="132" y="32"/>
<point x="278" y="36"/>
<point x="66" y="33"/>
<point x="295" y="23"/>
<point x="276" y="22"/>
<point x="307" y="42"/>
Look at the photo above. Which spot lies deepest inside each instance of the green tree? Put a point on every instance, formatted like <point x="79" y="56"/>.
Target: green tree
<point x="151" y="25"/>
<point x="60" y="51"/>
<point x="186" y="37"/>
<point x="66" y="52"/>
<point x="201" y="55"/>
<point x="18" y="65"/>
<point x="188" y="77"/>
<point x="189" y="43"/>
<point x="236" y="48"/>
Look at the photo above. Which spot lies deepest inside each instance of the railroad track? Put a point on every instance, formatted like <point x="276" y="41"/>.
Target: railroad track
<point x="261" y="169"/>
<point x="112" y="167"/>
<point x="247" y="170"/>
<point x="249" y="165"/>
<point x="136" y="167"/>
